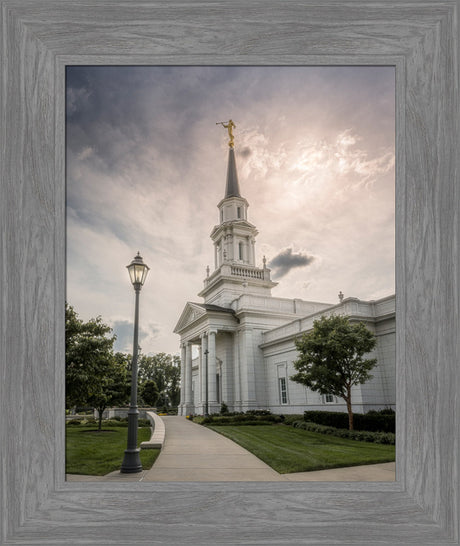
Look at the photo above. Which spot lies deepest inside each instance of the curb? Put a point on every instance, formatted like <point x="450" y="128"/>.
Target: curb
<point x="158" y="432"/>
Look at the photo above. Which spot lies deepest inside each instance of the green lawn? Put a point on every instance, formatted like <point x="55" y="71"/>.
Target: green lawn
<point x="98" y="453"/>
<point x="288" y="449"/>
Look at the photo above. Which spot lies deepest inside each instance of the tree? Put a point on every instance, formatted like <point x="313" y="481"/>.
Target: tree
<point x="164" y="370"/>
<point x="113" y="388"/>
<point x="149" y="392"/>
<point x="94" y="375"/>
<point x="331" y="358"/>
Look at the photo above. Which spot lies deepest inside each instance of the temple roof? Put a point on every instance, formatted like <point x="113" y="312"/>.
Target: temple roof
<point x="211" y="307"/>
<point x="232" y="188"/>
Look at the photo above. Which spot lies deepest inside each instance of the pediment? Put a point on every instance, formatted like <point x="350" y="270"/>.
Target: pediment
<point x="191" y="313"/>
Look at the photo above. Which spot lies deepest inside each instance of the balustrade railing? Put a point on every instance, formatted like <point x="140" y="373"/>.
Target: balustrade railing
<point x="240" y="271"/>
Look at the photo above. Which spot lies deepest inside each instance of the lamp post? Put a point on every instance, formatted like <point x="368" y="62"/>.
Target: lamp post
<point x="206" y="410"/>
<point x="131" y="461"/>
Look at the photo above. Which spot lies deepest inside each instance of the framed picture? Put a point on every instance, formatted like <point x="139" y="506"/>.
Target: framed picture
<point x="42" y="38"/>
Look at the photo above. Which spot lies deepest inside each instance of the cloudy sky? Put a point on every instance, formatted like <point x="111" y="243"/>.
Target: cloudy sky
<point x="146" y="167"/>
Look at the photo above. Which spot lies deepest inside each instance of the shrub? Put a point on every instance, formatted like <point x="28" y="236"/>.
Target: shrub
<point x="289" y="419"/>
<point x="73" y="422"/>
<point x="360" y="435"/>
<point x="123" y="422"/>
<point x="372" y="421"/>
<point x="224" y="409"/>
<point x="113" y="423"/>
<point x="241" y="419"/>
<point x="144" y="423"/>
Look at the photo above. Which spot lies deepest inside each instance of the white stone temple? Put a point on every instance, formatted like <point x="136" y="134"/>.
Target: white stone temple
<point x="245" y="337"/>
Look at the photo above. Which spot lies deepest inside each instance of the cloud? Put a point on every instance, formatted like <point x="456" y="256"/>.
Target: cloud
<point x="124" y="330"/>
<point x="245" y="152"/>
<point x="286" y="260"/>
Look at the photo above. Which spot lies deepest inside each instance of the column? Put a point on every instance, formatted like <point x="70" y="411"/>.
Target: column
<point x="236" y="373"/>
<point x="212" y="371"/>
<point x="204" y="346"/>
<point x="182" y="380"/>
<point x="199" y="394"/>
<point x="247" y="370"/>
<point x="188" y="378"/>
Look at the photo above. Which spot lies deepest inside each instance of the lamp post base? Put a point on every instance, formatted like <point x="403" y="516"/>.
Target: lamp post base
<point x="131" y="462"/>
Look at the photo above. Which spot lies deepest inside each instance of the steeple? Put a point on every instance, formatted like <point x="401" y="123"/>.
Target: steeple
<point x="234" y="245"/>
<point x="232" y="188"/>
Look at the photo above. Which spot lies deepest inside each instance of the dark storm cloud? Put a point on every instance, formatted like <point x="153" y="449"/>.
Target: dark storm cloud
<point x="122" y="113"/>
<point x="286" y="260"/>
<point x="245" y="152"/>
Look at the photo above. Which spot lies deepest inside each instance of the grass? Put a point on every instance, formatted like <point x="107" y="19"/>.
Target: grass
<point x="287" y="449"/>
<point x="97" y="453"/>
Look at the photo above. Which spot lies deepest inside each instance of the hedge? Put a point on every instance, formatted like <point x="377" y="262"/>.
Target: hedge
<point x="109" y="422"/>
<point x="249" y="418"/>
<point x="372" y="421"/>
<point x="360" y="435"/>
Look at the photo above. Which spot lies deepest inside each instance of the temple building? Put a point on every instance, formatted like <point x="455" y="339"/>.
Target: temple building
<point x="244" y="336"/>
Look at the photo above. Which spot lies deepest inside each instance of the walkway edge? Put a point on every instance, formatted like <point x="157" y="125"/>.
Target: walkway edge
<point x="157" y="439"/>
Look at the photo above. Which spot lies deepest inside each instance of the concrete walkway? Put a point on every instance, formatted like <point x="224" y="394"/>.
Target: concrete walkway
<point x="193" y="453"/>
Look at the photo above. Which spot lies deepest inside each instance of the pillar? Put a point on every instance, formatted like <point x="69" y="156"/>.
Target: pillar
<point x="182" y="380"/>
<point x="188" y="403"/>
<point x="212" y="371"/>
<point x="204" y="346"/>
<point x="236" y="369"/>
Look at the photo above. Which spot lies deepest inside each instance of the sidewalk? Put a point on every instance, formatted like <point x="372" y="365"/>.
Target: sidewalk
<point x="193" y="453"/>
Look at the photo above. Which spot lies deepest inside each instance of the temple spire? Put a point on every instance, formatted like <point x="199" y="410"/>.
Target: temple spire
<point x="232" y="188"/>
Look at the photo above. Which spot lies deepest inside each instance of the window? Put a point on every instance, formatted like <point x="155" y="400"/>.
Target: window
<point x="329" y="399"/>
<point x="240" y="250"/>
<point x="238" y="212"/>
<point x="283" y="390"/>
<point x="222" y="215"/>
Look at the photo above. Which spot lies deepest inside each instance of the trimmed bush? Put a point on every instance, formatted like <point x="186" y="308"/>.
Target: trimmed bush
<point x="249" y="418"/>
<point x="360" y="435"/>
<point x="144" y="423"/>
<point x="289" y="419"/>
<point x="73" y="422"/>
<point x="372" y="421"/>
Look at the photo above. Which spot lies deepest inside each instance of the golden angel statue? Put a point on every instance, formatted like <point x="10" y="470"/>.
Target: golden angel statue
<point x="230" y="126"/>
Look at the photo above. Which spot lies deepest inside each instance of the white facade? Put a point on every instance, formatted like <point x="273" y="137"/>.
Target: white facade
<point x="245" y="337"/>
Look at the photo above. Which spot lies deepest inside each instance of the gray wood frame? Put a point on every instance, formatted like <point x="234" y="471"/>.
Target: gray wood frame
<point x="39" y="38"/>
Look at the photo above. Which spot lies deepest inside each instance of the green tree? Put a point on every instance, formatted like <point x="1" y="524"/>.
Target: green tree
<point x="164" y="370"/>
<point x="113" y="387"/>
<point x="94" y="375"/>
<point x="331" y="358"/>
<point x="149" y="392"/>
